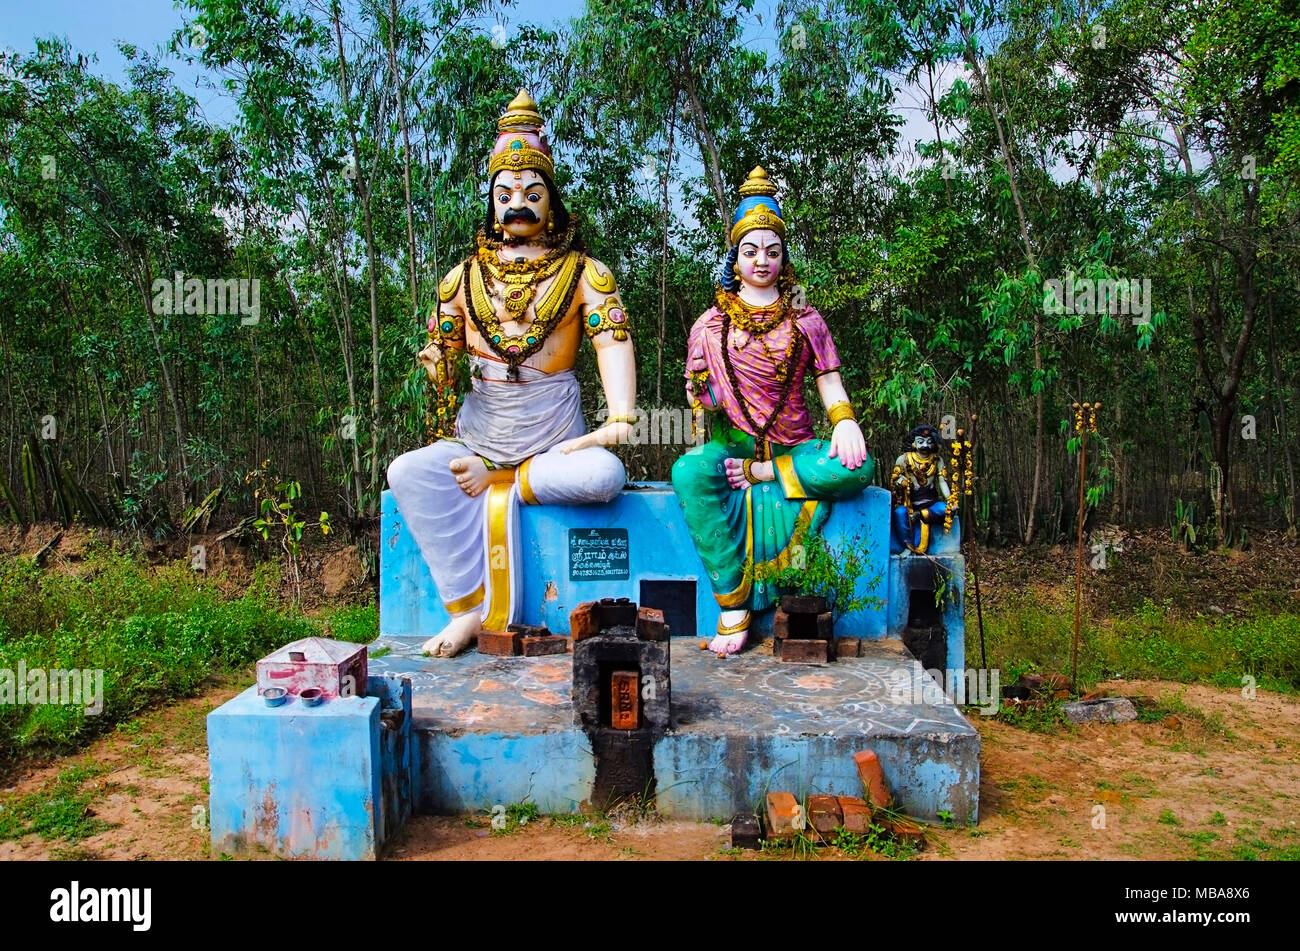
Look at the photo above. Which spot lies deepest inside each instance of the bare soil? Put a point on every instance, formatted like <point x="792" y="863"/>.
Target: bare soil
<point x="1218" y="779"/>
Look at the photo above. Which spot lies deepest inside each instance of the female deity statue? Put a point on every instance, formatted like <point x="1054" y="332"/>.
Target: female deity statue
<point x="751" y="495"/>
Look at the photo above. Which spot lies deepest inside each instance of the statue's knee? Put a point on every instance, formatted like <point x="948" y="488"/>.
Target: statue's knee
<point x="608" y="475"/>
<point x="398" y="471"/>
<point x="679" y="475"/>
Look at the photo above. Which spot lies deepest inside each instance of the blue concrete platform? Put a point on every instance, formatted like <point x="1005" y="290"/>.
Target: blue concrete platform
<point x="645" y="522"/>
<point x="496" y="730"/>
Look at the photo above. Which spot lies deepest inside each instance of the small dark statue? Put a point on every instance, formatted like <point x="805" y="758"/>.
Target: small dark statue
<point x="922" y="498"/>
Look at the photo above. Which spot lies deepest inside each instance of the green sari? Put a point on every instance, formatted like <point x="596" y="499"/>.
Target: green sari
<point x="746" y="536"/>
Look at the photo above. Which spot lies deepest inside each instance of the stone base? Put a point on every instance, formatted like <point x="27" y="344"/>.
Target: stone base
<point x="333" y="781"/>
<point x="497" y="730"/>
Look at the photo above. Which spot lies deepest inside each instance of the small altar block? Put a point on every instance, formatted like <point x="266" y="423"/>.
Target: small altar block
<point x="332" y="781"/>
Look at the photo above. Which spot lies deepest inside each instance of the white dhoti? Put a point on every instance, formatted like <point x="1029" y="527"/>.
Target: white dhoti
<point x="470" y="544"/>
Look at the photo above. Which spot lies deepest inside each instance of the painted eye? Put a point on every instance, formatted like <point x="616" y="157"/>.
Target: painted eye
<point x="774" y="252"/>
<point x="503" y="197"/>
<point x="533" y="196"/>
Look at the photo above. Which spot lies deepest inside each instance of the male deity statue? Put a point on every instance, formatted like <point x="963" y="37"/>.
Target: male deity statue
<point x="519" y="307"/>
<point x="921" y="494"/>
<point x="752" y="494"/>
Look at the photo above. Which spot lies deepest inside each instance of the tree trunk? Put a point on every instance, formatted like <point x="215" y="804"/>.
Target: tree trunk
<point x="363" y="189"/>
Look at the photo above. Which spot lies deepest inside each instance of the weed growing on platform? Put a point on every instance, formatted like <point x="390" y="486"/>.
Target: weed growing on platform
<point x="817" y="569"/>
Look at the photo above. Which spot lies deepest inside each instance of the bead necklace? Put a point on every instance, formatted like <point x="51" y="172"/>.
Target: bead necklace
<point x="784" y="373"/>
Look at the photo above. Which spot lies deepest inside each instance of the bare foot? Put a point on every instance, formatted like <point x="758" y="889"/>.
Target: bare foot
<point x="762" y="471"/>
<point x="724" y="644"/>
<point x="471" y="474"/>
<point x="455" y="637"/>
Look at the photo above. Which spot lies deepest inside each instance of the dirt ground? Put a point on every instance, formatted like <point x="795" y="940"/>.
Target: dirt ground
<point x="1218" y="777"/>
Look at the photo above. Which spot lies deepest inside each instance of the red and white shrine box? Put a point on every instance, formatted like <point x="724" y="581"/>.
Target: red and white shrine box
<point x="336" y="668"/>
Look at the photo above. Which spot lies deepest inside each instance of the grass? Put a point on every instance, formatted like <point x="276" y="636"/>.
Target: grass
<point x="59" y="811"/>
<point x="156" y="633"/>
<point x="1152" y="642"/>
<point x="507" y="820"/>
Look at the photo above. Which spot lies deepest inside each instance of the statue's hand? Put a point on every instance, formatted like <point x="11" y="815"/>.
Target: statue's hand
<point x="848" y="444"/>
<point x="430" y="356"/>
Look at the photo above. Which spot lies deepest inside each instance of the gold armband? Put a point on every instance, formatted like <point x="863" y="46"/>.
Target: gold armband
<point x="840" y="411"/>
<point x="448" y="330"/>
<point x="608" y="316"/>
<point x="629" y="418"/>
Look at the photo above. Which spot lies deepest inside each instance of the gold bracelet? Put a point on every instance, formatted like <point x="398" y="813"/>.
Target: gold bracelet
<point x="630" y="418"/>
<point x="749" y="476"/>
<point x="838" y="412"/>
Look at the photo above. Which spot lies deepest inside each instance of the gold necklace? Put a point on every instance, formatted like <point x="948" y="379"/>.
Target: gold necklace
<point x="521" y="277"/>
<point x="514" y="349"/>
<point x="749" y="319"/>
<point x="921" y="467"/>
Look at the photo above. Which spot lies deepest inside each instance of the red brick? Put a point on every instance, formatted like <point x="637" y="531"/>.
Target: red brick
<point x="826" y="625"/>
<point x="584" y="621"/>
<point x="616" y="612"/>
<point x="802" y="604"/>
<point x="529" y="630"/>
<point x="782" y="810"/>
<point x="547" y="644"/>
<point x="904" y="830"/>
<point x="650" y="625"/>
<point x="848" y="646"/>
<point x="745" y="831"/>
<point x="798" y="650"/>
<point x="856" y="813"/>
<point x="824" y="814"/>
<point x="780" y="624"/>
<point x="873" y="779"/>
<point x="625" y="699"/>
<point x="499" y="643"/>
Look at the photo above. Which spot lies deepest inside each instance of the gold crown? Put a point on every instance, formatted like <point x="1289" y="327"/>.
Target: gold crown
<point x="519" y="155"/>
<point x="757" y="184"/>
<point x="522" y="118"/>
<point x="521" y="113"/>
<point x="758" y="217"/>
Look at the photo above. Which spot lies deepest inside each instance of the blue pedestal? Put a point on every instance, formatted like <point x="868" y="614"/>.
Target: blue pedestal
<point x="325" y="782"/>
<point x="659" y="549"/>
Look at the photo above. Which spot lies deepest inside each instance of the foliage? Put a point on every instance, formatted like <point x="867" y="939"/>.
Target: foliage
<point x="818" y="569"/>
<point x="1081" y="143"/>
<point x="156" y="633"/>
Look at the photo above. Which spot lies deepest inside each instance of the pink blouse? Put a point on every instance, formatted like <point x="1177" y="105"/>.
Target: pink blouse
<point x="755" y="369"/>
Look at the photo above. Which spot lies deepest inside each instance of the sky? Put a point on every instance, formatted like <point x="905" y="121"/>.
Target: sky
<point x="95" y="27"/>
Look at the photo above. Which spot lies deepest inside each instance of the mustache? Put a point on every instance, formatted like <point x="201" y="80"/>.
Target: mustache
<point x="526" y="215"/>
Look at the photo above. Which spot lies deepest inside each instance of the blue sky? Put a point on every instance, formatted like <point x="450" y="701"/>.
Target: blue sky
<point x="96" y="26"/>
